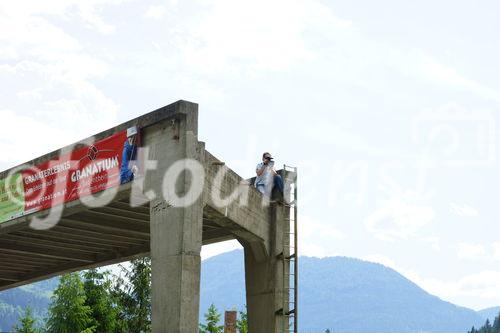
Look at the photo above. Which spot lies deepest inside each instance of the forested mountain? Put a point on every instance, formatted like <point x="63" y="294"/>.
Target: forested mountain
<point x="490" y="313"/>
<point x="492" y="326"/>
<point x="345" y="295"/>
<point x="13" y="301"/>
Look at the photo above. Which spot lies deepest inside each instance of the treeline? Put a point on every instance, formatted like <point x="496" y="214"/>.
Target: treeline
<point x="97" y="302"/>
<point x="102" y="302"/>
<point x="487" y="327"/>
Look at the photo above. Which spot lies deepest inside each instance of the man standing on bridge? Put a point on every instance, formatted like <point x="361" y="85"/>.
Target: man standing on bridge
<point x="267" y="177"/>
<point x="129" y="168"/>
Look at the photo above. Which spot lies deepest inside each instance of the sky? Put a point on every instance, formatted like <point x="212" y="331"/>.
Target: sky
<point x="389" y="109"/>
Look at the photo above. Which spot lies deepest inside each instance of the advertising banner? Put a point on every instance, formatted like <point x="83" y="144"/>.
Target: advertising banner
<point x="84" y="171"/>
<point x="11" y="199"/>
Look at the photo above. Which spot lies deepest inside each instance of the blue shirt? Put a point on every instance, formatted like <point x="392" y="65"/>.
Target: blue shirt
<point x="129" y="152"/>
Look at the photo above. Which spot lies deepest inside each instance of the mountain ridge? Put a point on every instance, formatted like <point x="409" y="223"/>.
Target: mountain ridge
<point x="490" y="313"/>
<point x="346" y="295"/>
<point x="352" y="290"/>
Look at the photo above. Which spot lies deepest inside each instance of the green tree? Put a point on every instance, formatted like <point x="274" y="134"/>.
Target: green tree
<point x="327" y="330"/>
<point x="133" y="297"/>
<point x="212" y="318"/>
<point x="242" y="323"/>
<point x="68" y="312"/>
<point x="97" y="287"/>
<point x="487" y="327"/>
<point x="27" y="323"/>
<point x="496" y="324"/>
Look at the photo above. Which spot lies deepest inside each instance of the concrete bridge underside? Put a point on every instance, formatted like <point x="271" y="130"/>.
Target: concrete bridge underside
<point x="91" y="237"/>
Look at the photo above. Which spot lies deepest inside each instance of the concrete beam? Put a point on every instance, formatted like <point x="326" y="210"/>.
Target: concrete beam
<point x="105" y="229"/>
<point x="72" y="266"/>
<point x="62" y="245"/>
<point x="247" y="217"/>
<point x="7" y="275"/>
<point x="22" y="247"/>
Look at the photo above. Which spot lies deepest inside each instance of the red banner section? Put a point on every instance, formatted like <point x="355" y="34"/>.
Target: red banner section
<point x="80" y="173"/>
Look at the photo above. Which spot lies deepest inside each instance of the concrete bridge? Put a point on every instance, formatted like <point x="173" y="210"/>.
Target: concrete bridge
<point x="90" y="235"/>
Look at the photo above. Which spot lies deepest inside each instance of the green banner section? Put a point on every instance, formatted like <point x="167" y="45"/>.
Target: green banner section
<point x="11" y="201"/>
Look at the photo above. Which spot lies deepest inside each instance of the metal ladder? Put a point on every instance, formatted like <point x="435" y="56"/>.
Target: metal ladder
<point x="290" y="255"/>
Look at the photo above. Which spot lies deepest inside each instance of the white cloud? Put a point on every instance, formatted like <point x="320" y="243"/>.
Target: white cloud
<point x="155" y="12"/>
<point x="485" y="284"/>
<point x="471" y="251"/>
<point x="463" y="210"/>
<point x="496" y="251"/>
<point x="454" y="136"/>
<point x="238" y="36"/>
<point x="478" y="290"/>
<point x="48" y="78"/>
<point x="24" y="138"/>
<point x="340" y="135"/>
<point x="434" y="242"/>
<point x="479" y="252"/>
<point x="400" y="217"/>
<point x="88" y="11"/>
<point x="65" y="98"/>
<point x="31" y="10"/>
<point x="316" y="237"/>
<point x="34" y="36"/>
<point x="450" y="76"/>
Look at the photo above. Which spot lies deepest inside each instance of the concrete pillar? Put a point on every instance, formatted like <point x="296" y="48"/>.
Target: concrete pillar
<point x="264" y="279"/>
<point x="176" y="232"/>
<point x="175" y="254"/>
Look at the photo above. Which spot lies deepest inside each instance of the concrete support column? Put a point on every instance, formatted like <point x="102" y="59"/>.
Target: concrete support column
<point x="264" y="279"/>
<point x="176" y="230"/>
<point x="175" y="254"/>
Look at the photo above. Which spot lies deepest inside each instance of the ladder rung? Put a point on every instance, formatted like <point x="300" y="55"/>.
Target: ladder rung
<point x="289" y="278"/>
